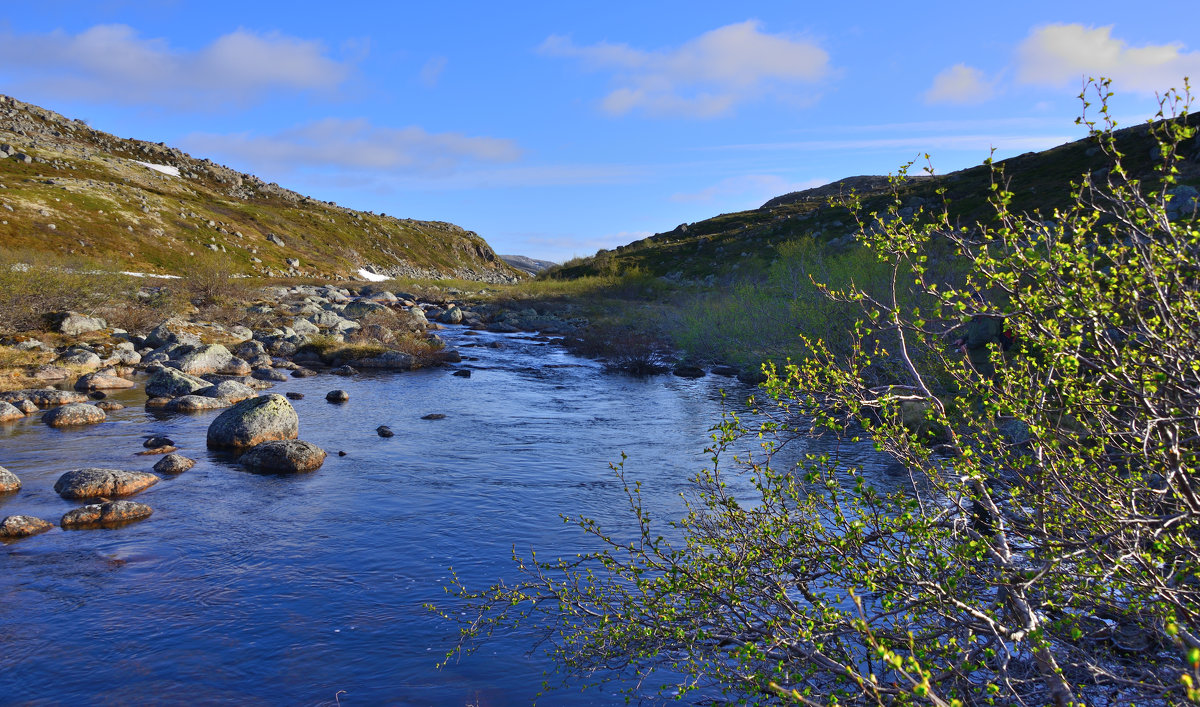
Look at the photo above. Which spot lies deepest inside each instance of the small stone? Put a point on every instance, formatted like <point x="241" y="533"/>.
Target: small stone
<point x="110" y="514"/>
<point x="341" y="454"/>
<point x="158" y="441"/>
<point x="9" y="483"/>
<point x="385" y="431"/>
<point x="344" y="371"/>
<point x="158" y="402"/>
<point x="98" y="395"/>
<point x="337" y="396"/>
<point x="157" y="450"/>
<point x="110" y="406"/>
<point x="303" y="373"/>
<point x="462" y="373"/>
<point x="174" y="464"/>
<point x="434" y="416"/>
<point x="293" y="395"/>
<point x="14" y="527"/>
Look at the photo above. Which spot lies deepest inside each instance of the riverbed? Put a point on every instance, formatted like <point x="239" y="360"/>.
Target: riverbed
<point x="310" y="589"/>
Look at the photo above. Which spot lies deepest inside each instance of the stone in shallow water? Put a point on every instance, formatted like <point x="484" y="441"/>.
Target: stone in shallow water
<point x="9" y="483"/>
<point x="337" y="396"/>
<point x="434" y="416"/>
<point x="174" y="464"/>
<point x="14" y="527"/>
<point x="254" y="421"/>
<point x="110" y="406"/>
<point x="74" y="414"/>
<point x="92" y="482"/>
<point x="384" y="431"/>
<point x="285" y="456"/>
<point x="105" y="515"/>
<point x="8" y="412"/>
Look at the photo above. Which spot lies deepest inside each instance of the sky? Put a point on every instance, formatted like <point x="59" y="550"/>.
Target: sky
<point x="554" y="129"/>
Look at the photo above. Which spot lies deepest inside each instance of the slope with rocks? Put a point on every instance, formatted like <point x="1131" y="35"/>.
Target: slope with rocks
<point x="70" y="189"/>
<point x="724" y="245"/>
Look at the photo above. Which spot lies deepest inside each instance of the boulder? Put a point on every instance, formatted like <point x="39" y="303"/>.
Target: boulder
<point x="451" y="315"/>
<point x="48" y="372"/>
<point x="391" y="360"/>
<point x="205" y="359"/>
<point x="105" y="515"/>
<point x="123" y="357"/>
<point x="284" y="456"/>
<point x="14" y="527"/>
<point x="74" y="414"/>
<point x="196" y="403"/>
<point x="337" y="396"/>
<point x="75" y="324"/>
<point x="236" y="367"/>
<point x="303" y="373"/>
<point x="80" y="358"/>
<point x="174" y="464"/>
<point x="26" y="406"/>
<point x="92" y="482"/>
<point x="229" y="390"/>
<point x="688" y="371"/>
<point x="361" y="308"/>
<point x="102" y="381"/>
<point x="254" y="421"/>
<point x="249" y="349"/>
<point x="8" y="412"/>
<point x="9" y="483"/>
<point x="170" y="383"/>
<point x="269" y="374"/>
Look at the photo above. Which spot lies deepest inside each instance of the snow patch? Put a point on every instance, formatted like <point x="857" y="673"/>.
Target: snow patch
<point x="371" y="276"/>
<point x="164" y="168"/>
<point x="143" y="274"/>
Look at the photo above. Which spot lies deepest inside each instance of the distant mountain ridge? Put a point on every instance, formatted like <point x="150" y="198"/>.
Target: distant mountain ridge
<point x="526" y="264"/>
<point x="70" y="189"/>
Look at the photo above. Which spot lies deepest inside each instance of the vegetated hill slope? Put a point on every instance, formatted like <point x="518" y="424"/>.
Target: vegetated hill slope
<point x="69" y="189"/>
<point x="724" y="244"/>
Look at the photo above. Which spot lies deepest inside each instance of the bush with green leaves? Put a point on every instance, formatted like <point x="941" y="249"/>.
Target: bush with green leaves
<point x="1046" y="546"/>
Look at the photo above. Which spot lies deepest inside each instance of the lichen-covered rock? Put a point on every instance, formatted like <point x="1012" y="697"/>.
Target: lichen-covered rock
<point x="74" y="323"/>
<point x="80" y="358"/>
<point x="73" y="414"/>
<point x="361" y="308"/>
<point x="254" y="421"/>
<point x="174" y="464"/>
<point x="170" y="383"/>
<point x="229" y="390"/>
<point x="284" y="456"/>
<point x="9" y="483"/>
<point x="269" y="374"/>
<point x="110" y="514"/>
<point x="196" y="403"/>
<point x="205" y="359"/>
<point x="102" y="381"/>
<point x="8" y="412"/>
<point x="14" y="527"/>
<point x="236" y="367"/>
<point x="93" y="482"/>
<point x="26" y="406"/>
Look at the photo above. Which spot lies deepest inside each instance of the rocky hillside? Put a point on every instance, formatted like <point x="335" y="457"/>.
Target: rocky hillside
<point x="70" y="189"/>
<point x="729" y="243"/>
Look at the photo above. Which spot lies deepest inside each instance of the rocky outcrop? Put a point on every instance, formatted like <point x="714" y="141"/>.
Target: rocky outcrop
<point x="285" y="456"/>
<point x="93" y="482"/>
<point x="110" y="514"/>
<point x="73" y="414"/>
<point x="170" y="383"/>
<point x="14" y="527"/>
<point x="254" y="421"/>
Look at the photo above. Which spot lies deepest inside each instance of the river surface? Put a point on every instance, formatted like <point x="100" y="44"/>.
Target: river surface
<point x="310" y="589"/>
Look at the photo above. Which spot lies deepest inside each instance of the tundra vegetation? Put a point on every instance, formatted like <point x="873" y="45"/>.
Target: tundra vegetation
<point x="1044" y="549"/>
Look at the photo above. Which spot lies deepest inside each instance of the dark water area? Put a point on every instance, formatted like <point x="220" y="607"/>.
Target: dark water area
<point x="309" y="589"/>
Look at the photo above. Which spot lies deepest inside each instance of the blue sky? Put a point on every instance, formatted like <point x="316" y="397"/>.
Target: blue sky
<point x="555" y="129"/>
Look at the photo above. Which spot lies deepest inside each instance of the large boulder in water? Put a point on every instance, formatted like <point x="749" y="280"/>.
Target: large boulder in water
<point x="94" y="483"/>
<point x="110" y="514"/>
<point x="8" y="412"/>
<point x="251" y="422"/>
<point x="14" y="527"/>
<point x="170" y="383"/>
<point x="73" y="414"/>
<point x="285" y="456"/>
<point x="102" y="381"/>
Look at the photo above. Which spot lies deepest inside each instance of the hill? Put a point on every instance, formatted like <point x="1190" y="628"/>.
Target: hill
<point x="72" y="190"/>
<point x="723" y="245"/>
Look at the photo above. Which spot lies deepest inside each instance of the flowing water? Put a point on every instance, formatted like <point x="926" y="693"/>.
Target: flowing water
<point x="309" y="589"/>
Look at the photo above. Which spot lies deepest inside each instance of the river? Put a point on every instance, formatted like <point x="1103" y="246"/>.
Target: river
<point x="309" y="589"/>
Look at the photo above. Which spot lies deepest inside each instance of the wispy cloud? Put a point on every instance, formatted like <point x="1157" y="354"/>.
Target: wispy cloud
<point x="431" y="72"/>
<point x="752" y="188"/>
<point x="355" y="145"/>
<point x="922" y="143"/>
<point x="1061" y="54"/>
<point x="960" y="84"/>
<point x="112" y="63"/>
<point x="705" y="77"/>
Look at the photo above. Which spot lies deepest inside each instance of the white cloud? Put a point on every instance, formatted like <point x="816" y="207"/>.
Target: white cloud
<point x="960" y="84"/>
<point x="112" y="63"/>
<point x="704" y="77"/>
<point x="753" y="188"/>
<point x="355" y="145"/>
<point x="431" y="72"/>
<point x="1063" y="54"/>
